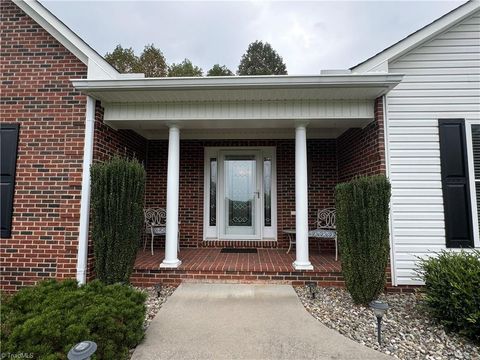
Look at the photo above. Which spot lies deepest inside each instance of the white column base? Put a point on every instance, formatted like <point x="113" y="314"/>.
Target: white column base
<point x="174" y="264"/>
<point x="302" y="266"/>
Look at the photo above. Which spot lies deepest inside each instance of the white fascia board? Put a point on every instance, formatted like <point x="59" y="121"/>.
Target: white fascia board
<point x="42" y="16"/>
<point x="419" y="37"/>
<point x="239" y="82"/>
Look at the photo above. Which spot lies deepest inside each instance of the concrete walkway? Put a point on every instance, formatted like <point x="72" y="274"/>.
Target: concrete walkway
<point x="232" y="321"/>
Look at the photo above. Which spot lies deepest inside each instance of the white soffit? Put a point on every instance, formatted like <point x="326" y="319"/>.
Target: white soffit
<point x="237" y="124"/>
<point x="232" y="134"/>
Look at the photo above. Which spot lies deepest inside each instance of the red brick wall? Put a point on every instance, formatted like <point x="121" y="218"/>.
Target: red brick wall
<point x="322" y="180"/>
<point x="37" y="94"/>
<point x="108" y="142"/>
<point x="362" y="151"/>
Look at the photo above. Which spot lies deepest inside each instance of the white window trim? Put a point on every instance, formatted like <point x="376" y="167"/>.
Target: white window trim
<point x="212" y="233"/>
<point x="471" y="177"/>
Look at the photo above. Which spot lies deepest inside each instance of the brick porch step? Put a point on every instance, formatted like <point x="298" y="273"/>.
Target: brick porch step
<point x="272" y="266"/>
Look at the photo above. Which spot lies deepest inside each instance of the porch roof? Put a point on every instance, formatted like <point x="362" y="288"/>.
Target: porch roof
<point x="206" y="107"/>
<point x="238" y="88"/>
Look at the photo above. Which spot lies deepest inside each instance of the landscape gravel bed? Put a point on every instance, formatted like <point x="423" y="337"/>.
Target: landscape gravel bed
<point x="157" y="295"/>
<point x="407" y="331"/>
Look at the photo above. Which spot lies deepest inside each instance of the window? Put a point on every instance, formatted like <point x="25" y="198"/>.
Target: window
<point x="476" y="165"/>
<point x="267" y="188"/>
<point x="213" y="192"/>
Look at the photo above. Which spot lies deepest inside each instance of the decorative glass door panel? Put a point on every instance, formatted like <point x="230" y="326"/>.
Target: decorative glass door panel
<point x="241" y="193"/>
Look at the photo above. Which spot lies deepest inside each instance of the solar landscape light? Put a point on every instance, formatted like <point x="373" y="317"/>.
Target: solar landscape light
<point x="82" y="351"/>
<point x="312" y="287"/>
<point x="379" y="308"/>
<point x="158" y="289"/>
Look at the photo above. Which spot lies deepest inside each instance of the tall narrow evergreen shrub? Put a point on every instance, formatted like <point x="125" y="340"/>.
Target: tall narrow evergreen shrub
<point x="117" y="207"/>
<point x="362" y="225"/>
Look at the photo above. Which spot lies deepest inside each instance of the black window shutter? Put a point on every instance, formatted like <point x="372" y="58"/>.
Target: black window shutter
<point x="8" y="161"/>
<point x="455" y="185"/>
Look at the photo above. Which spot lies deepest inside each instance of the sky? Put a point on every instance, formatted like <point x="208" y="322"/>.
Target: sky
<point x="309" y="35"/>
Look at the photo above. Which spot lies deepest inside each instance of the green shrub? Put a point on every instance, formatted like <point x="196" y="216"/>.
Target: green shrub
<point x="49" y="318"/>
<point x="452" y="288"/>
<point x="118" y="187"/>
<point x="362" y="227"/>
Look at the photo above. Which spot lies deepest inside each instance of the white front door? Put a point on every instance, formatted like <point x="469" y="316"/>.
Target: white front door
<point x="240" y="193"/>
<point x="239" y="197"/>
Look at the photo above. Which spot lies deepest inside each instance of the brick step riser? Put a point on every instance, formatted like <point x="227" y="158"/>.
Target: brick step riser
<point x="146" y="278"/>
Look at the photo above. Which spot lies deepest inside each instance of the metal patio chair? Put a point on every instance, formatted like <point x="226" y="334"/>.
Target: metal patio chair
<point x="326" y="227"/>
<point x="156" y="225"/>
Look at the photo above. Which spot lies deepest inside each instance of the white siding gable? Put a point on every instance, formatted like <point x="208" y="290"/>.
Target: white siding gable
<point x="442" y="80"/>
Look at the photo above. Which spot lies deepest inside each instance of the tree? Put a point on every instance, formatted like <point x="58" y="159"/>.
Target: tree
<point x="261" y="59"/>
<point x="218" y="70"/>
<point x="124" y="60"/>
<point x="185" y="68"/>
<point x="152" y="62"/>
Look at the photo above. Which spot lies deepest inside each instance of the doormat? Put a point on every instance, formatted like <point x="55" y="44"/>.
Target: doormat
<point x="239" y="250"/>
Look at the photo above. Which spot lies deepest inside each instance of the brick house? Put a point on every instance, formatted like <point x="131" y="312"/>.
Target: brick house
<point x="282" y="142"/>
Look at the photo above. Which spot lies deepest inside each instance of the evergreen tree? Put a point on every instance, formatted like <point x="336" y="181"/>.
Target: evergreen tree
<point x="152" y="62"/>
<point x="124" y="60"/>
<point x="261" y="59"/>
<point x="219" y="70"/>
<point x="183" y="69"/>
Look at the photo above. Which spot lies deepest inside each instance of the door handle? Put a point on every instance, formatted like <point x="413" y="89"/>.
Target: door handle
<point x="258" y="194"/>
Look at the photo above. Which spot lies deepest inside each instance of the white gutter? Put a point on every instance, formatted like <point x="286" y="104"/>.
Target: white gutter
<point x="393" y="269"/>
<point x="82" y="255"/>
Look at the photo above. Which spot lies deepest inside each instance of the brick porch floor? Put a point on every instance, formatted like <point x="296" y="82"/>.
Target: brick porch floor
<point x="208" y="264"/>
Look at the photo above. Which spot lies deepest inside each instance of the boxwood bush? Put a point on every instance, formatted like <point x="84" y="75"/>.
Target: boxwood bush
<point x="452" y="290"/>
<point x="118" y="187"/>
<point x="362" y="229"/>
<point x="46" y="320"/>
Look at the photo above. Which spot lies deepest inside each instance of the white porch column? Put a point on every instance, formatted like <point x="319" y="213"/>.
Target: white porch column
<point x="173" y="181"/>
<point x="302" y="261"/>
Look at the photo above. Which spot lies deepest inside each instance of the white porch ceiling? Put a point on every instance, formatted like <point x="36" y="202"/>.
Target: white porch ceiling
<point x="242" y="133"/>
